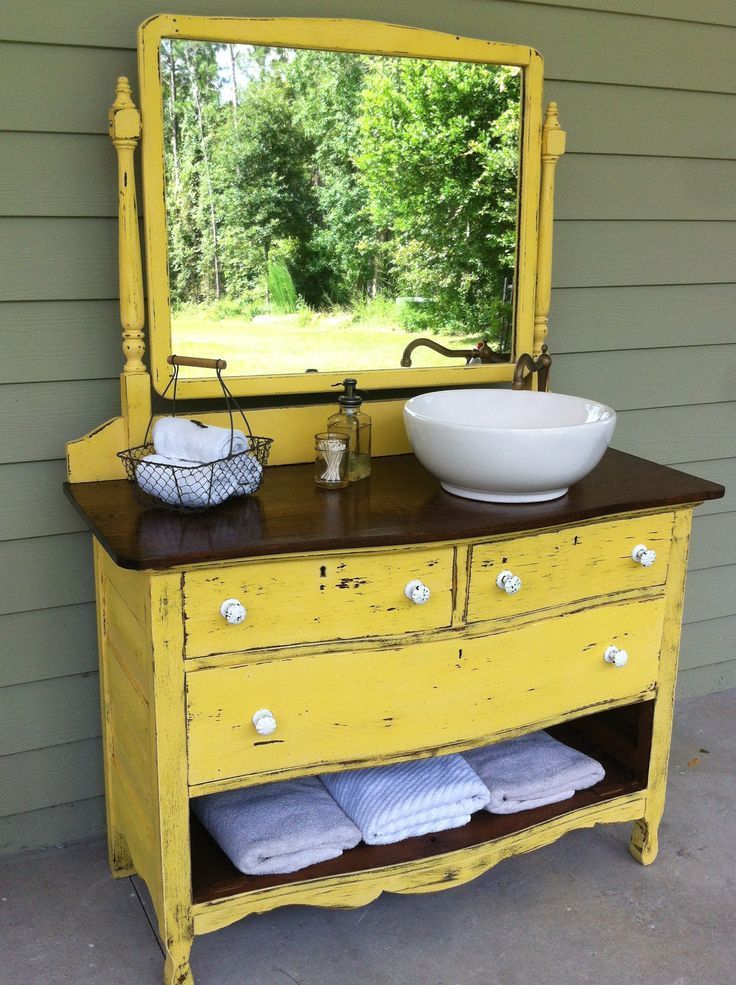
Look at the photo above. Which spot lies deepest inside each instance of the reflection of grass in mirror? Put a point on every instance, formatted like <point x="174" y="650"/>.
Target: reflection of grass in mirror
<point x="367" y="338"/>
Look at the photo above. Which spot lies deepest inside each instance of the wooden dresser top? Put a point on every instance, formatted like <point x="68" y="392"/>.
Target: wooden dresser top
<point x="400" y="503"/>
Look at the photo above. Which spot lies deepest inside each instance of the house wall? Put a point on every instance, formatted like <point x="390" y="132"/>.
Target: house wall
<point x="642" y="316"/>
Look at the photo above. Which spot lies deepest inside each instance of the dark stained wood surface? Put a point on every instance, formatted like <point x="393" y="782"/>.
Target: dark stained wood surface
<point x="400" y="503"/>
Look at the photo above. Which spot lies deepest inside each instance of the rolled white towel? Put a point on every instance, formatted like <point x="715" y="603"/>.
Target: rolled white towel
<point x="177" y="437"/>
<point x="277" y="827"/>
<point x="194" y="485"/>
<point x="532" y="771"/>
<point x="390" y="803"/>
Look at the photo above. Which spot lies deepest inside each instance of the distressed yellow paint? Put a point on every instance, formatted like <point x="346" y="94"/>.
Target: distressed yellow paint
<point x="305" y="600"/>
<point x="370" y="37"/>
<point x="553" y="147"/>
<point x="567" y="565"/>
<point x="174" y="901"/>
<point x="427" y="875"/>
<point x="119" y="856"/>
<point x="399" y="690"/>
<point x="374" y="679"/>
<point x="93" y="458"/>
<point x="644" y="842"/>
<point x="339" y="710"/>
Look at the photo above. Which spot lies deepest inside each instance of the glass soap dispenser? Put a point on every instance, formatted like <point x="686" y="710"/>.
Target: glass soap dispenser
<point x="351" y="420"/>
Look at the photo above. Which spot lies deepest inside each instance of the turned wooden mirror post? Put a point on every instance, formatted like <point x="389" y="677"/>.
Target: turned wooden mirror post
<point x="124" y="123"/>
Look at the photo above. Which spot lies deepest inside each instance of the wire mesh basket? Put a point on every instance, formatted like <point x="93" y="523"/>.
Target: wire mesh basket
<point x="194" y="487"/>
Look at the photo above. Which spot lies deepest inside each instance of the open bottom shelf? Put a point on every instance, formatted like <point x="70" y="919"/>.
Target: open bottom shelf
<point x="215" y="878"/>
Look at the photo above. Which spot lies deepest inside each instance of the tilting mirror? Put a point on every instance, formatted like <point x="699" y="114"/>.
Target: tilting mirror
<point x="324" y="211"/>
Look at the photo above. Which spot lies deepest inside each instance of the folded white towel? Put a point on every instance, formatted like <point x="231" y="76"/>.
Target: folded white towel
<point x="390" y="803"/>
<point x="532" y="771"/>
<point x="195" y="485"/>
<point x="177" y="437"/>
<point x="277" y="827"/>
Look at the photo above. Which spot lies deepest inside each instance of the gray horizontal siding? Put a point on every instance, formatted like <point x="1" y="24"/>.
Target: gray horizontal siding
<point x="65" y="709"/>
<point x="80" y="340"/>
<point x="73" y="174"/>
<point x="604" y="318"/>
<point x="642" y="316"/>
<point x="72" y="821"/>
<point x="47" y="777"/>
<point x="705" y="680"/>
<point x="76" y="257"/>
<point x="27" y="638"/>
<point x="578" y="44"/>
<point x="710" y="642"/>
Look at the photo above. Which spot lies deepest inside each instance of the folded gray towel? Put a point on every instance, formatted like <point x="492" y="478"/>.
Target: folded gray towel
<point x="532" y="771"/>
<point x="277" y="827"/>
<point x="390" y="803"/>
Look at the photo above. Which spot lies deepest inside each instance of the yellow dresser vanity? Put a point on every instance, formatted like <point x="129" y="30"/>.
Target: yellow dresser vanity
<point x="353" y="673"/>
<point x="273" y="637"/>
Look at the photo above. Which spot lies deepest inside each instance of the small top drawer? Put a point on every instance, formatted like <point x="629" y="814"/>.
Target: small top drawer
<point x="293" y="601"/>
<point x="565" y="566"/>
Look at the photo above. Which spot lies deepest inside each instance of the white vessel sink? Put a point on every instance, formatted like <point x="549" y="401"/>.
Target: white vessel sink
<point x="507" y="446"/>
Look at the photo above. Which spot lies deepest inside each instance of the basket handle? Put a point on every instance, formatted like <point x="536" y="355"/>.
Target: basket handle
<point x="198" y="361"/>
<point x="230" y="402"/>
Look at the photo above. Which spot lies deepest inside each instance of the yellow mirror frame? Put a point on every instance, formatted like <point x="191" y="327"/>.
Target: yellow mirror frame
<point x="365" y="37"/>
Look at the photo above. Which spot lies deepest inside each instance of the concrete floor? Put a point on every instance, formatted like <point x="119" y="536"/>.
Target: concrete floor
<point x="577" y="912"/>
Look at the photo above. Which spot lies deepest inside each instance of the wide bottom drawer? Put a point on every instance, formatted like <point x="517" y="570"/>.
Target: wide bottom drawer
<point x="337" y="710"/>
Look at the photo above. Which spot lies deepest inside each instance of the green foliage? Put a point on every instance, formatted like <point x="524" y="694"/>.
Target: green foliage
<point x="438" y="154"/>
<point x="281" y="288"/>
<point x="325" y="180"/>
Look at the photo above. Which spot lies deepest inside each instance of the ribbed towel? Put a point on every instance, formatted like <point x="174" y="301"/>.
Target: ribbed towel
<point x="277" y="827"/>
<point x="390" y="803"/>
<point x="532" y="771"/>
<point x="177" y="437"/>
<point x="192" y="485"/>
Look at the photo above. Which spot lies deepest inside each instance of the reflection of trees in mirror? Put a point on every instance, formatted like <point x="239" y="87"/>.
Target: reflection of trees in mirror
<point x="309" y="180"/>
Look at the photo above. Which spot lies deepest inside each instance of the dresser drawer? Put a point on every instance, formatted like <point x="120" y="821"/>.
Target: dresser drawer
<point x="309" y="600"/>
<point x="341" y="709"/>
<point x="566" y="566"/>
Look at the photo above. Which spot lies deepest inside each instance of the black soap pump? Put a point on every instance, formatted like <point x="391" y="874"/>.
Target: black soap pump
<point x="350" y="420"/>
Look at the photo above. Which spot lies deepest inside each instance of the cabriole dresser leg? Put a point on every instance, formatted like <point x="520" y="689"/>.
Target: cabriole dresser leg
<point x="176" y="969"/>
<point x="644" y="843"/>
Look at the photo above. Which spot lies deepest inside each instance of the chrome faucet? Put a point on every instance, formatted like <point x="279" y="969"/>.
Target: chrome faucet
<point x="482" y="352"/>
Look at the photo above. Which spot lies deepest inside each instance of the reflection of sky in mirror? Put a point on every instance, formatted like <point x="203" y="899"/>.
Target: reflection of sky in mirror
<point x="247" y="69"/>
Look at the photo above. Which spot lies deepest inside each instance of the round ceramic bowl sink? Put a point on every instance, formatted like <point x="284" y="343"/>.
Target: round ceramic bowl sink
<point x="507" y="446"/>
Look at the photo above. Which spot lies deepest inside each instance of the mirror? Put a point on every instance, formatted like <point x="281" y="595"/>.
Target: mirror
<point x="325" y="207"/>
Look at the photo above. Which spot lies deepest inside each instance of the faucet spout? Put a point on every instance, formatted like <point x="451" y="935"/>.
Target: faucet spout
<point x="483" y="352"/>
<point x="527" y="366"/>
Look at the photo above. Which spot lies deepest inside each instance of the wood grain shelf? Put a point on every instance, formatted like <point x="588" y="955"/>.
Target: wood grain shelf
<point x="620" y="739"/>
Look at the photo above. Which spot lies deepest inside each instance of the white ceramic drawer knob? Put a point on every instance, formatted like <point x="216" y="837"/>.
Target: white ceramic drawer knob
<point x="233" y="611"/>
<point x="619" y="658"/>
<point x="508" y="582"/>
<point x="264" y="722"/>
<point x="417" y="592"/>
<point x="644" y="556"/>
